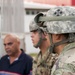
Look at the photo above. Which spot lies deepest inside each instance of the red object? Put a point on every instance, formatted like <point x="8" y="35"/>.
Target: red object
<point x="73" y="2"/>
<point x="55" y="2"/>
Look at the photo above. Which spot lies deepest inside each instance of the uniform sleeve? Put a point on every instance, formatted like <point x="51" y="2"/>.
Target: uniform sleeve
<point x="65" y="64"/>
<point x="66" y="69"/>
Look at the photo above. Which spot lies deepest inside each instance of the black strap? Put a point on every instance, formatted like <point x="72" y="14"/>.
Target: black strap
<point x="69" y="40"/>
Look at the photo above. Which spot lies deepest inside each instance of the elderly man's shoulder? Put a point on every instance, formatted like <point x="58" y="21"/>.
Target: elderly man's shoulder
<point x="27" y="57"/>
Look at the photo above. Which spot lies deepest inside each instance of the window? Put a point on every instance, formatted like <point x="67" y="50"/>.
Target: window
<point x="34" y="11"/>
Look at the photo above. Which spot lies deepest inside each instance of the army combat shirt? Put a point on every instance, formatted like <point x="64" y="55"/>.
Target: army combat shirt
<point x="42" y="64"/>
<point x="65" y="65"/>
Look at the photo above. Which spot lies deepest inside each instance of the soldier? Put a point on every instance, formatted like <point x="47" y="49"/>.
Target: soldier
<point x="43" y="62"/>
<point x="62" y="32"/>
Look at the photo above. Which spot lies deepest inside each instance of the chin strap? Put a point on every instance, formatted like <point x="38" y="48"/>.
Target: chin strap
<point x="69" y="40"/>
<point x="40" y="38"/>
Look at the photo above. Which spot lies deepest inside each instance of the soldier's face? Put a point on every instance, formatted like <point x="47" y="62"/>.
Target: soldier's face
<point x="35" y="37"/>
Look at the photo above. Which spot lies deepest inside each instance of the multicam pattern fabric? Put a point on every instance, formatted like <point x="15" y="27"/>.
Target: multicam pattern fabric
<point x="58" y="27"/>
<point x="42" y="64"/>
<point x="65" y="65"/>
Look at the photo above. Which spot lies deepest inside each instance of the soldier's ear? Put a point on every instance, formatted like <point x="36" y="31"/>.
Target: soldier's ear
<point x="45" y="36"/>
<point x="45" y="33"/>
<point x="59" y="36"/>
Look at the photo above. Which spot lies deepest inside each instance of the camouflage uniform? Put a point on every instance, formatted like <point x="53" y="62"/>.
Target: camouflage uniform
<point x="65" y="65"/>
<point x="42" y="64"/>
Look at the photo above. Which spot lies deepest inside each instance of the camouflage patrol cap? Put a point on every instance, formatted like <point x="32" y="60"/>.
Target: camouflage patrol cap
<point x="59" y="27"/>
